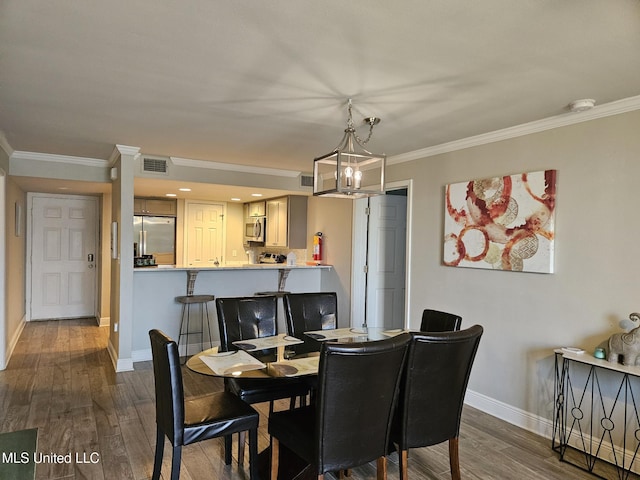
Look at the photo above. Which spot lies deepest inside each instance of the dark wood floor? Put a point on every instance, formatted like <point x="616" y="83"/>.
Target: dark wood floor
<point x="61" y="381"/>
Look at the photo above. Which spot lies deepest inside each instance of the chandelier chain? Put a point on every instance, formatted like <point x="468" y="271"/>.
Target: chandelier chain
<point x="351" y="129"/>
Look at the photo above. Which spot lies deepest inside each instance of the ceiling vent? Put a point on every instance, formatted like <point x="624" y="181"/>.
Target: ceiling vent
<point x="306" y="180"/>
<point x="155" y="165"/>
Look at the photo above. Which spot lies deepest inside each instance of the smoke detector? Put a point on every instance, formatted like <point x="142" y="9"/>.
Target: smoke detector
<point x="582" y="105"/>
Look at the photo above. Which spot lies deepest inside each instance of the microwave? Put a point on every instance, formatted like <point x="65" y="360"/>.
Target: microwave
<point x="254" y="229"/>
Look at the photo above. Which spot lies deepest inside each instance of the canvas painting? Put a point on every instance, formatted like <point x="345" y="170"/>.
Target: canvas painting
<point x="501" y="223"/>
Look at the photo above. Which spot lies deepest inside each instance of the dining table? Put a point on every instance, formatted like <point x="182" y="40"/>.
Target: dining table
<point x="281" y="356"/>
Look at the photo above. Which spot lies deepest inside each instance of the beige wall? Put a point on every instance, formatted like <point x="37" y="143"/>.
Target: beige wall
<point x="14" y="262"/>
<point x="234" y="239"/>
<point x="333" y="217"/>
<point x="527" y="315"/>
<point x="104" y="289"/>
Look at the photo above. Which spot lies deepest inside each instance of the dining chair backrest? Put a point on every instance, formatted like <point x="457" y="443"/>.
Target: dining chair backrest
<point x="433" y="386"/>
<point x="310" y="311"/>
<point x="357" y="390"/>
<point x="437" y="321"/>
<point x="168" y="386"/>
<point x="244" y="318"/>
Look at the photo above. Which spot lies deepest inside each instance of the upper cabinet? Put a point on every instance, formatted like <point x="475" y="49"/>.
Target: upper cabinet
<point x="254" y="209"/>
<point x="154" y="206"/>
<point x="287" y="222"/>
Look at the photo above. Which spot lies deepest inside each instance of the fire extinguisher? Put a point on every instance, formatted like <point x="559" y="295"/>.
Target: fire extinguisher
<point x="317" y="247"/>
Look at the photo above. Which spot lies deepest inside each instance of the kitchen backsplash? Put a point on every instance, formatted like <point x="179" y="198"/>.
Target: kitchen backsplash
<point x="301" y="254"/>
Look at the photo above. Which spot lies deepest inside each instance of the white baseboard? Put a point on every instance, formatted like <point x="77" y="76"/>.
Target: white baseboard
<point x="520" y="418"/>
<point x="544" y="427"/>
<point x="13" y="341"/>
<point x="104" y="321"/>
<point x="119" y="364"/>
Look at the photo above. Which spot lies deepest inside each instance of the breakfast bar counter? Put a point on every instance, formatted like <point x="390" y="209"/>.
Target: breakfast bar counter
<point x="155" y="290"/>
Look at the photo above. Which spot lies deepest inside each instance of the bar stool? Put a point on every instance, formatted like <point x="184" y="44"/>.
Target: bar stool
<point x="185" y="320"/>
<point x="283" y="273"/>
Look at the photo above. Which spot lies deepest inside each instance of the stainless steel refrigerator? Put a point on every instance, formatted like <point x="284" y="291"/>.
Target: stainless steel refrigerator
<point x="155" y="236"/>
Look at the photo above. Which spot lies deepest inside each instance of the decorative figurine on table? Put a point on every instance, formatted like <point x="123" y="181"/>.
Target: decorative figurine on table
<point x="626" y="344"/>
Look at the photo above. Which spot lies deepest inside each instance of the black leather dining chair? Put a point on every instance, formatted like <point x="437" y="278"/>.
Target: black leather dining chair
<point x="310" y="311"/>
<point x="330" y="435"/>
<point x="245" y="318"/>
<point x="189" y="421"/>
<point x="307" y="312"/>
<point x="432" y="389"/>
<point x="437" y="321"/>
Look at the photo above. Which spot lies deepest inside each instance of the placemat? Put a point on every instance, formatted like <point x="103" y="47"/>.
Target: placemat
<point x="264" y="343"/>
<point x="225" y="363"/>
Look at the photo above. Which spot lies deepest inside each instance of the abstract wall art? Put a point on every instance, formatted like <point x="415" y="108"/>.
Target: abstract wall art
<point x="501" y="223"/>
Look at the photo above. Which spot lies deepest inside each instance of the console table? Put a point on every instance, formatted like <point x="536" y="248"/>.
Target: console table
<point x="596" y="424"/>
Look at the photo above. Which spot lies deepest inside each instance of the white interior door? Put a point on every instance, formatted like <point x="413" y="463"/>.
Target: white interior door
<point x="63" y="257"/>
<point x="204" y="234"/>
<point x="385" y="284"/>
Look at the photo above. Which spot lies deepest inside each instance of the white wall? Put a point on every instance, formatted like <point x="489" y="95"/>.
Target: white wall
<point x="526" y="315"/>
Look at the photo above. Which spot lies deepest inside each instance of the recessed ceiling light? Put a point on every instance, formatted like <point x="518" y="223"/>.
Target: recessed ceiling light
<point x="582" y="105"/>
<point x="256" y="194"/>
<point x="63" y="188"/>
<point x="170" y="195"/>
<point x="235" y="199"/>
<point x="184" y="189"/>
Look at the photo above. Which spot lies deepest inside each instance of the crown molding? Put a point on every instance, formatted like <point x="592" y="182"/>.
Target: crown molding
<point x="120" y="150"/>
<point x="4" y="144"/>
<point x="50" y="157"/>
<point x="186" y="162"/>
<point x="606" y="110"/>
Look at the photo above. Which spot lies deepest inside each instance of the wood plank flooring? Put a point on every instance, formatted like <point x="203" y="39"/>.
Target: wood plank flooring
<point x="61" y="381"/>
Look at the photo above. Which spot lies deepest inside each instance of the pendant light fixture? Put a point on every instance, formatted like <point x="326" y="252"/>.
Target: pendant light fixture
<point x="349" y="171"/>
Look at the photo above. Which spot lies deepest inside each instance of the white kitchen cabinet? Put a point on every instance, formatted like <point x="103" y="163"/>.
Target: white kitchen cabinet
<point x="287" y="222"/>
<point x="255" y="209"/>
<point x="276" y="235"/>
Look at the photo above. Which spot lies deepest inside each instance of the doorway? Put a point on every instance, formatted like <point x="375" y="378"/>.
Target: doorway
<point x="379" y="286"/>
<point x="62" y="256"/>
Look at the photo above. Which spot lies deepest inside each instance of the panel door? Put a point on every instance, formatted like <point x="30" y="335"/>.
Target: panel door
<point x="386" y="261"/>
<point x="204" y="234"/>
<point x="63" y="257"/>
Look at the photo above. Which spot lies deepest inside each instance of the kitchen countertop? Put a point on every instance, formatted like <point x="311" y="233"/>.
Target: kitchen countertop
<point x="257" y="266"/>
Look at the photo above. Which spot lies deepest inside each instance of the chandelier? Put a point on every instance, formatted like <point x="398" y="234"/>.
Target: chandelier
<point x="349" y="171"/>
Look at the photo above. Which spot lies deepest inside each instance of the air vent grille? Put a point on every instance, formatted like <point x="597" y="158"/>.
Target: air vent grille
<point x="306" y="180"/>
<point x="155" y="165"/>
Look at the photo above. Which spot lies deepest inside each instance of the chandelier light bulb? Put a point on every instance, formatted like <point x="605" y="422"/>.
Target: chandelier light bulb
<point x="357" y="175"/>
<point x="348" y="173"/>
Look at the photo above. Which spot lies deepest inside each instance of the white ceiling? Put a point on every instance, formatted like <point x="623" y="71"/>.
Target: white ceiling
<point x="266" y="82"/>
